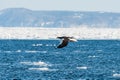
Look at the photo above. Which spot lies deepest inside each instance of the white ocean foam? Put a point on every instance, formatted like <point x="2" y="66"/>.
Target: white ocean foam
<point x="116" y="75"/>
<point x="49" y="45"/>
<point x="37" y="44"/>
<point x="7" y="51"/>
<point x="36" y="63"/>
<point x="54" y="44"/>
<point x="113" y="71"/>
<point x="83" y="45"/>
<point x="43" y="51"/>
<point x="31" y="51"/>
<point x="40" y="63"/>
<point x="5" y="64"/>
<point x="42" y="66"/>
<point x="93" y="56"/>
<point x="99" y="50"/>
<point x="18" y="51"/>
<point x="27" y="51"/>
<point x="41" y="69"/>
<point x="79" y="51"/>
<point x="82" y="67"/>
<point x="34" y="51"/>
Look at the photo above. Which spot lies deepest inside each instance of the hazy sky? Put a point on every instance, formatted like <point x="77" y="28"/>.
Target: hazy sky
<point x="72" y="5"/>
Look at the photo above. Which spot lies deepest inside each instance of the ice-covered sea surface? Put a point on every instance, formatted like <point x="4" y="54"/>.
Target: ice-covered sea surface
<point x="41" y="60"/>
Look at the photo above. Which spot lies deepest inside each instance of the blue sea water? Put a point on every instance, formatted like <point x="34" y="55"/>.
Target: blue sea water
<point x="41" y="60"/>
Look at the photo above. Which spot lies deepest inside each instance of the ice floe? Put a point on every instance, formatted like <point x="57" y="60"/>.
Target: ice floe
<point x="52" y="33"/>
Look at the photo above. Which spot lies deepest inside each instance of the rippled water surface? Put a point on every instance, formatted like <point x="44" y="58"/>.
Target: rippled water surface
<point x="41" y="60"/>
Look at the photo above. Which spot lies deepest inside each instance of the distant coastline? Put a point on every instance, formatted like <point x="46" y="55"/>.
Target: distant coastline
<point x="22" y="17"/>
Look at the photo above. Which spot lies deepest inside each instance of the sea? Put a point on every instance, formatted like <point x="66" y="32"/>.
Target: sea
<point x="41" y="60"/>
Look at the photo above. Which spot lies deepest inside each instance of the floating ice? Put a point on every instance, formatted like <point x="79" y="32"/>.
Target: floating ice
<point x="52" y="33"/>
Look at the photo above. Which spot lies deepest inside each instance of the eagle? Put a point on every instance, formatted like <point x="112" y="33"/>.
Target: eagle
<point x="65" y="41"/>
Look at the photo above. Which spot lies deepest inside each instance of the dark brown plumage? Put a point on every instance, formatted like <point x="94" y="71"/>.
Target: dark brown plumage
<point x="64" y="41"/>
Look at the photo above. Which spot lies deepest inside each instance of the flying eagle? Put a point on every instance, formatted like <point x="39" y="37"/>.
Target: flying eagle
<point x="65" y="41"/>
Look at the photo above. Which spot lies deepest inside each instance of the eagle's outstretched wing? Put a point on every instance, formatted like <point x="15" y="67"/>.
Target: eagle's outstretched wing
<point x="65" y="41"/>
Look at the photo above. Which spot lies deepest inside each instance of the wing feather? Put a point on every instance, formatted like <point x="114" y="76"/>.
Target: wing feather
<point x="63" y="44"/>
